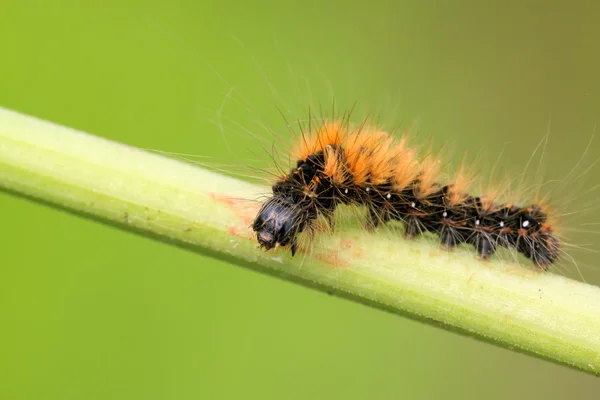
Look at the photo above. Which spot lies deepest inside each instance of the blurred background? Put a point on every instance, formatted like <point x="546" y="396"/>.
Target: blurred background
<point x="88" y="311"/>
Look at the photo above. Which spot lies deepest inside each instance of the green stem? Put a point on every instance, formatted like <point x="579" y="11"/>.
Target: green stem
<point x="514" y="306"/>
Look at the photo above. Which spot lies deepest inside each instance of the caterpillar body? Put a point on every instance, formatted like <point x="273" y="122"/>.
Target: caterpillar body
<point x="340" y="164"/>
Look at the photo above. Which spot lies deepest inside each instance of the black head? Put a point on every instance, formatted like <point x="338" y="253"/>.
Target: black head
<point x="278" y="222"/>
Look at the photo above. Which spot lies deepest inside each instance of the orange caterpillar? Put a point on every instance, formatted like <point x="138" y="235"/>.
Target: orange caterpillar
<point x="337" y="164"/>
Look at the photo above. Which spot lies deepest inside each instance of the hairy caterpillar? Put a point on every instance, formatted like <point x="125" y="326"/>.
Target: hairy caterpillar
<point x="326" y="177"/>
<point x="337" y="163"/>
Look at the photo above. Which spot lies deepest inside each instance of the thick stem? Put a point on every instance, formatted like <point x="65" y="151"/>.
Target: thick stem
<point x="511" y="305"/>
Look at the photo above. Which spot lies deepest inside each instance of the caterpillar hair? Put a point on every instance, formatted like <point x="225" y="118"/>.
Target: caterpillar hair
<point x="340" y="163"/>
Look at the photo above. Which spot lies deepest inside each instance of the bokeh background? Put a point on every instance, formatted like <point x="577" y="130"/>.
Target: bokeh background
<point x="88" y="311"/>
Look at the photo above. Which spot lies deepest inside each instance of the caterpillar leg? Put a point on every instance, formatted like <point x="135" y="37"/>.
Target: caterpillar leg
<point x="375" y="218"/>
<point x="484" y="246"/>
<point x="330" y="218"/>
<point x="448" y="238"/>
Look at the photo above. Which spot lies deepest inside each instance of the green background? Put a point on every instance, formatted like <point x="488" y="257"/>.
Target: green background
<point x="88" y="311"/>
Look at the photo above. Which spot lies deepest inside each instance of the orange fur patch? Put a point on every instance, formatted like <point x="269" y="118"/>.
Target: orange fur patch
<point x="314" y="142"/>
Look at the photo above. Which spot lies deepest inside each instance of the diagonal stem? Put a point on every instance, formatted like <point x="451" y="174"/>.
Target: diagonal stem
<point x="513" y="306"/>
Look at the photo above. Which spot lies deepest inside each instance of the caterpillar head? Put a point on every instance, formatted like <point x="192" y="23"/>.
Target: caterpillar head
<point x="278" y="222"/>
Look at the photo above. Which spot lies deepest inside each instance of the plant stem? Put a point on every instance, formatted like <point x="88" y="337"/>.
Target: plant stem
<point x="511" y="305"/>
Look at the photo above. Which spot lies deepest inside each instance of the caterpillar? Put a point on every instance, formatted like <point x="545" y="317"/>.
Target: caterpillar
<point x="338" y="163"/>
